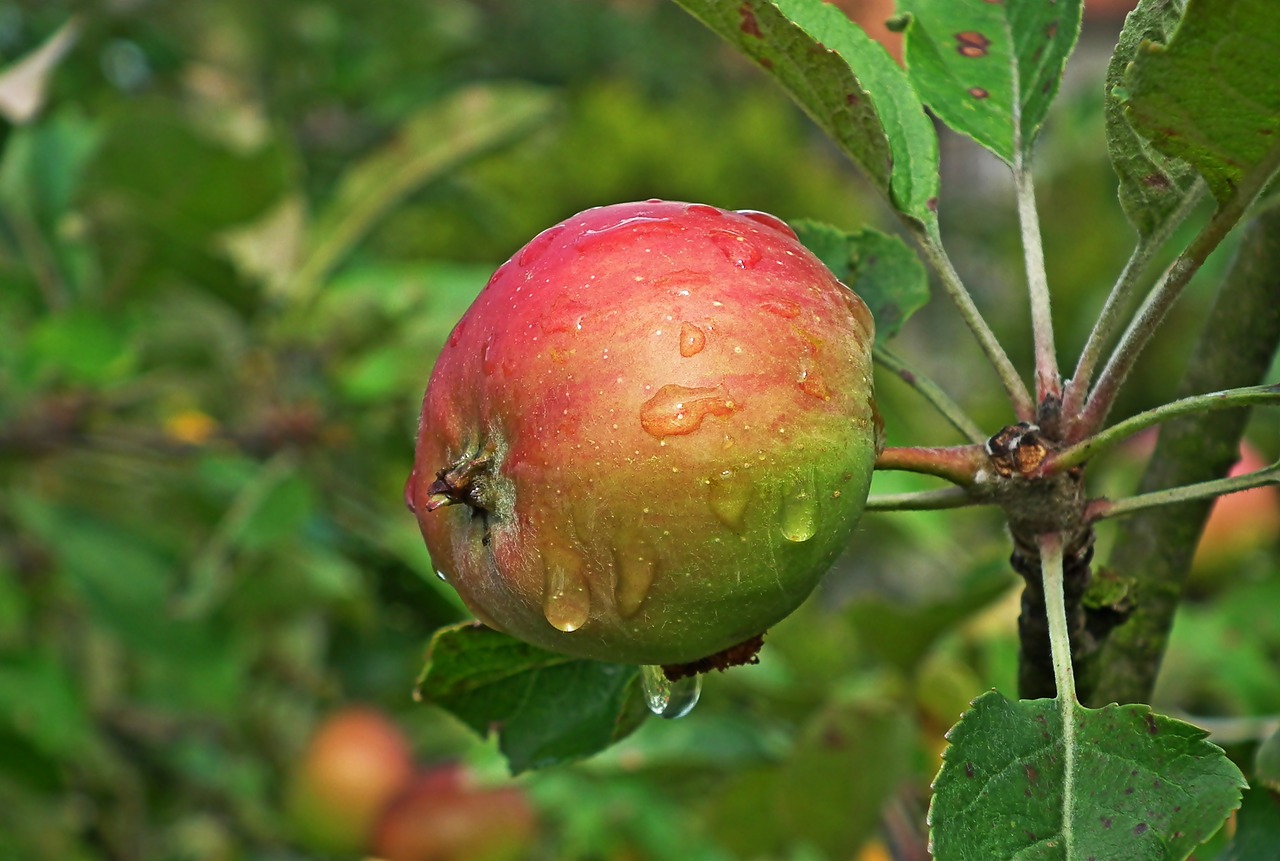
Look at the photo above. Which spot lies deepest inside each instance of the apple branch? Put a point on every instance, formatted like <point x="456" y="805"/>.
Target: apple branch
<point x="1100" y="509"/>
<point x="1077" y="388"/>
<point x="925" y="500"/>
<point x="1117" y="433"/>
<point x="1048" y="380"/>
<point x="931" y="245"/>
<point x="1169" y="288"/>
<point x="961" y="464"/>
<point x="932" y="392"/>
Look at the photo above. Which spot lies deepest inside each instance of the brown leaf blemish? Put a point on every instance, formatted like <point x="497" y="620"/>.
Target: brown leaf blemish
<point x="978" y="92"/>
<point x="749" y="24"/>
<point x="972" y="44"/>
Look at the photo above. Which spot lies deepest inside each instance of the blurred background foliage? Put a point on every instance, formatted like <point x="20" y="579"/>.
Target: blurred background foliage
<point x="233" y="237"/>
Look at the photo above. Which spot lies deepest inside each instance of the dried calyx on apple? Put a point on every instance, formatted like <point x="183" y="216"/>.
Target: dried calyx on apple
<point x="649" y="436"/>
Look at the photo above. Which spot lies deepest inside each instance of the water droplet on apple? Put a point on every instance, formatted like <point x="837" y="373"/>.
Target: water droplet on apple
<point x="704" y="209"/>
<point x="676" y="410"/>
<point x="636" y="565"/>
<point x="692" y="340"/>
<point x="668" y="699"/>
<point x="783" y="308"/>
<point x="566" y="597"/>
<point x="488" y="357"/>
<point x="632" y="226"/>
<point x="771" y="221"/>
<point x="737" y="248"/>
<point x="800" y="510"/>
<point x="730" y="494"/>
<point x="811" y="383"/>
<point x="538" y="246"/>
<point x="410" y="496"/>
<point x="441" y="576"/>
<point x="456" y="334"/>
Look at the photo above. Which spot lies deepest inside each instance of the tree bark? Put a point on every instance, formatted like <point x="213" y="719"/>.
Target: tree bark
<point x="1154" y="548"/>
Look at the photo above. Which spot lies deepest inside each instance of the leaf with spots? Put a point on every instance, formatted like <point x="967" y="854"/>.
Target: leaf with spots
<point x="1211" y="96"/>
<point x="878" y="267"/>
<point x="1144" y="787"/>
<point x="1152" y="185"/>
<point x="991" y="69"/>
<point x="846" y="82"/>
<point x="545" y="708"/>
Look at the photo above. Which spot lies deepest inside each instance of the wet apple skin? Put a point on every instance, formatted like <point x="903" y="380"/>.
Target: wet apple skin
<point x="675" y="403"/>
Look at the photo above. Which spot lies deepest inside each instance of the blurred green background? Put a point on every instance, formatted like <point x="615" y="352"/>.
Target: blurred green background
<point x="232" y="239"/>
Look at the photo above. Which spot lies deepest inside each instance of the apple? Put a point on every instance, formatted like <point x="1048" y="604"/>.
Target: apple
<point x="439" y="816"/>
<point x="1239" y="523"/>
<point x="353" y="764"/>
<point x="649" y="436"/>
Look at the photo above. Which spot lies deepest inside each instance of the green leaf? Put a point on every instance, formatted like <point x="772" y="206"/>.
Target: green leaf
<point x="991" y="70"/>
<point x="82" y="347"/>
<point x="811" y="797"/>
<point x="1257" y="836"/>
<point x="40" y="700"/>
<point x="545" y="708"/>
<point x="433" y="142"/>
<point x="187" y="186"/>
<point x="878" y="267"/>
<point x="1144" y="786"/>
<point x="1211" y="96"/>
<point x="44" y="164"/>
<point x="846" y="82"/>
<point x="901" y="629"/>
<point x="1152" y="185"/>
<point x="1267" y="763"/>
<point x="815" y="797"/>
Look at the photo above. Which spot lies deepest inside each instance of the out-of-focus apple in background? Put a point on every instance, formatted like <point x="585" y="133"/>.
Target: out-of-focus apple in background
<point x="356" y="761"/>
<point x="1240" y="524"/>
<point x="442" y="816"/>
